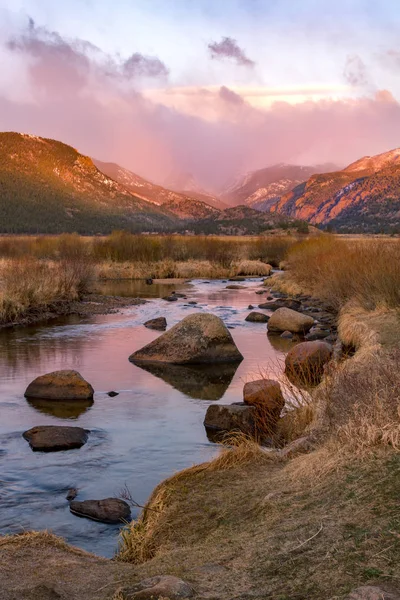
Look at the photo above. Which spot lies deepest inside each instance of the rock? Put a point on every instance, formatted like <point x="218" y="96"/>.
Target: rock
<point x="197" y="339"/>
<point x="149" y="281"/>
<point x="257" y="317"/>
<point x="261" y="292"/>
<point x="178" y="295"/>
<point x="230" y="417"/>
<point x="53" y="438"/>
<point x="60" y="385"/>
<point x="369" y="592"/>
<point x="171" y="298"/>
<point x="266" y="396"/>
<point x="160" y="324"/>
<point x="238" y="278"/>
<point x="305" y="362"/>
<point x="281" y="303"/>
<point x="192" y="302"/>
<point x="300" y="446"/>
<point x="285" y="319"/>
<point x="235" y="287"/>
<point x="287" y="335"/>
<point x="316" y="333"/>
<point x="110" y="510"/>
<point x="72" y="494"/>
<point x="112" y="394"/>
<point x="250" y="307"/>
<point x="163" y="587"/>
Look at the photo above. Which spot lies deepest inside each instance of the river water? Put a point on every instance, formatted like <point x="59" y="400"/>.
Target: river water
<point x="153" y="428"/>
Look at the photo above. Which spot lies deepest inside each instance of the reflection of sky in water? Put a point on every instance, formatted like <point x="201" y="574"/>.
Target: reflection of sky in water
<point x="151" y="429"/>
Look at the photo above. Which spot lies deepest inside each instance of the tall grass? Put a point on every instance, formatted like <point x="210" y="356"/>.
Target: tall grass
<point x="338" y="270"/>
<point x="29" y="286"/>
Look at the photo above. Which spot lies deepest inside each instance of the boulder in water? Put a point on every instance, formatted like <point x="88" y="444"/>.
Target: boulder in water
<point x="257" y="317"/>
<point x="53" y="438"/>
<point x="159" y="323"/>
<point x="230" y="417"/>
<point x="109" y="510"/>
<point x="285" y="319"/>
<point x="304" y="364"/>
<point x="197" y="339"/>
<point x="60" y="385"/>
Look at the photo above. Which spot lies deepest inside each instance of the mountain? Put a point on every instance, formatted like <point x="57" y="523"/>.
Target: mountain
<point x="243" y="220"/>
<point x="181" y="204"/>
<point x="363" y="197"/>
<point x="262" y="188"/>
<point x="49" y="187"/>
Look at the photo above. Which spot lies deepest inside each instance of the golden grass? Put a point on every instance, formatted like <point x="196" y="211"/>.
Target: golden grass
<point x="30" y="286"/>
<point x="338" y="270"/>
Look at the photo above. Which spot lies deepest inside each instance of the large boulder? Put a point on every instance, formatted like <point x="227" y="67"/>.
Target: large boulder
<point x="197" y="339"/>
<point x="109" y="510"/>
<point x="52" y="438"/>
<point x="257" y="317"/>
<point x="230" y="417"/>
<point x="60" y="385"/>
<point x="286" y="319"/>
<point x="159" y="324"/>
<point x="304" y="363"/>
<point x="266" y="397"/>
<point x="158" y="588"/>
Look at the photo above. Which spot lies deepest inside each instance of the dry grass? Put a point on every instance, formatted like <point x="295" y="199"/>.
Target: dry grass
<point x="30" y="286"/>
<point x="338" y="270"/>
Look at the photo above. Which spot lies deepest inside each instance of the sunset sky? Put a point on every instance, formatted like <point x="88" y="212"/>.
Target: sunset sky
<point x="214" y="87"/>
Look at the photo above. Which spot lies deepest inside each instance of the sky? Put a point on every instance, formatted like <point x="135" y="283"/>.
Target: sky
<point x="215" y="88"/>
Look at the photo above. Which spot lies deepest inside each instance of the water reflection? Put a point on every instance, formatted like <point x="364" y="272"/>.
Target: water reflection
<point x="138" y="288"/>
<point x="202" y="382"/>
<point x="61" y="409"/>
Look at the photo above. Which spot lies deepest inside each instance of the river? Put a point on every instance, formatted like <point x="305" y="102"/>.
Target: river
<point x="153" y="428"/>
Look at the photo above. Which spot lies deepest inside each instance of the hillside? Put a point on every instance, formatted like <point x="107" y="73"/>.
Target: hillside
<point x="262" y="188"/>
<point x="363" y="197"/>
<point x="49" y="187"/>
<point x="181" y="204"/>
<point x="243" y="220"/>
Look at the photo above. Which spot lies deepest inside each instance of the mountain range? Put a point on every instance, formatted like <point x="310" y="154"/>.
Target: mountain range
<point x="47" y="186"/>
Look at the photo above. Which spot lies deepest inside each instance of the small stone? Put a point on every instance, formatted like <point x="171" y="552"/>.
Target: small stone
<point x="112" y="394"/>
<point x="250" y="307"/>
<point x="72" y="494"/>
<point x="172" y="298"/>
<point x="109" y="510"/>
<point x="192" y="302"/>
<point x="163" y="587"/>
<point x="53" y="438"/>
<point x="234" y="287"/>
<point x="238" y="278"/>
<point x="257" y="317"/>
<point x="160" y="324"/>
<point x="287" y="335"/>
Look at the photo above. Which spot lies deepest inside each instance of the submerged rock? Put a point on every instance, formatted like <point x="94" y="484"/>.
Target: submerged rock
<point x="171" y="298"/>
<point x="109" y="510"/>
<point x="159" y="323"/>
<point x="235" y="287"/>
<point x="230" y="417"/>
<point x="304" y="364"/>
<point x="112" y="394"/>
<point x="257" y="317"/>
<point x="285" y="319"/>
<point x="53" y="438"/>
<point x="158" y="588"/>
<point x="72" y="494"/>
<point x="60" y="385"/>
<point x="197" y="339"/>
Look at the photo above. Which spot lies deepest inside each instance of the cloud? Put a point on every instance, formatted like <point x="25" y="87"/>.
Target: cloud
<point x="64" y="66"/>
<point x="145" y="66"/>
<point x="355" y="71"/>
<point x="229" y="96"/>
<point x="229" y="48"/>
<point x="216" y="134"/>
<point x="390" y="59"/>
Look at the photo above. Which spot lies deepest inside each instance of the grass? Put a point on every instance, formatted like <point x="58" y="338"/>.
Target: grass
<point x="30" y="287"/>
<point x="338" y="270"/>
